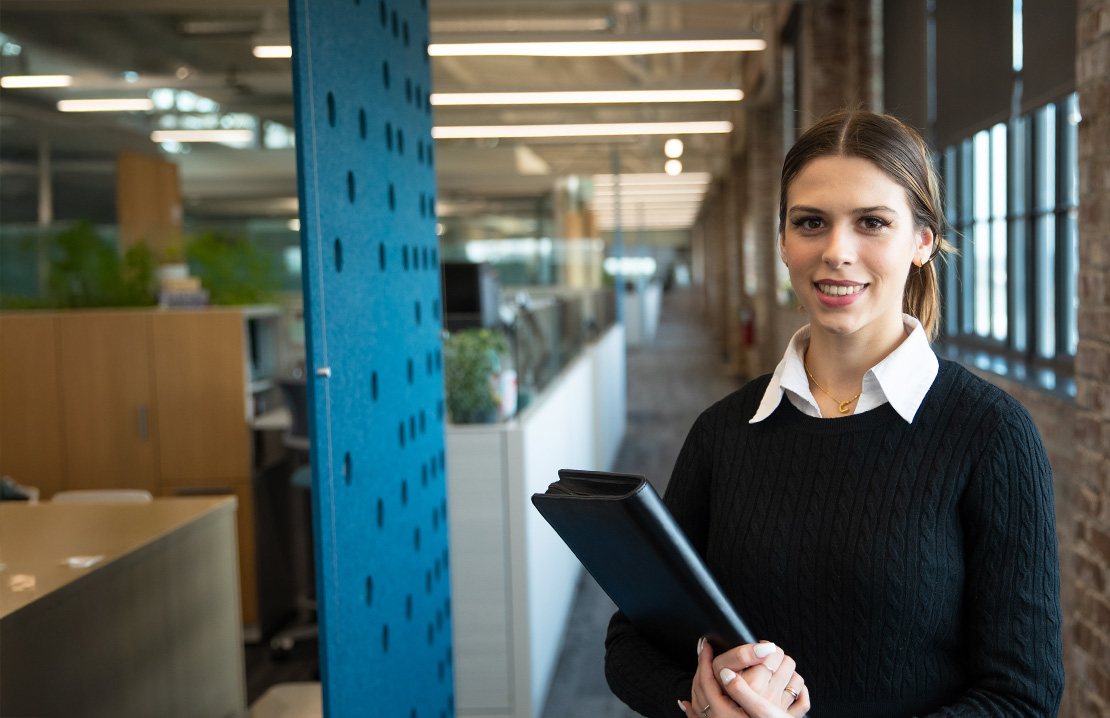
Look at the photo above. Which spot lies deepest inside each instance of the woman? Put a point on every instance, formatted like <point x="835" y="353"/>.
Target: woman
<point x="883" y="516"/>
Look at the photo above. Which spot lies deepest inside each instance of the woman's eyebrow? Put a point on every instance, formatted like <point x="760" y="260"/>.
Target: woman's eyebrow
<point x="802" y="208"/>
<point x="880" y="208"/>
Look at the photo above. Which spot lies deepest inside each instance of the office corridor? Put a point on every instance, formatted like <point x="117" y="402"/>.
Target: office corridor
<point x="670" y="381"/>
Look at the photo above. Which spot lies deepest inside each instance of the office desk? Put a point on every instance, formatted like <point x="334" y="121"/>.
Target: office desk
<point x="151" y="629"/>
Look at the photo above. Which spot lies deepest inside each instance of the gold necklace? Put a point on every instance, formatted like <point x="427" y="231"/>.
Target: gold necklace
<point x="843" y="405"/>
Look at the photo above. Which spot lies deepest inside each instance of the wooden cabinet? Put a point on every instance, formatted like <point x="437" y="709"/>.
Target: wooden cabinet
<point x="30" y="402"/>
<point x="138" y="399"/>
<point x="200" y="380"/>
<point x="107" y="400"/>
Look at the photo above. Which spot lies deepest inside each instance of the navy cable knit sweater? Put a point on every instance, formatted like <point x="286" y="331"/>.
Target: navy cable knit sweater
<point x="909" y="569"/>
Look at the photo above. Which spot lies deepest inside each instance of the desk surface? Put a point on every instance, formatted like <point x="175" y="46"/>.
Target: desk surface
<point x="36" y="540"/>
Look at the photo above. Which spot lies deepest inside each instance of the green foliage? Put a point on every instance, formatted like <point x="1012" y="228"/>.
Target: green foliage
<point x="231" y="269"/>
<point x="472" y="357"/>
<point x="86" y="271"/>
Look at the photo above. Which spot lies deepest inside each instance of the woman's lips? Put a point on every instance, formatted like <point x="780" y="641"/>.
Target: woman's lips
<point x="835" y="293"/>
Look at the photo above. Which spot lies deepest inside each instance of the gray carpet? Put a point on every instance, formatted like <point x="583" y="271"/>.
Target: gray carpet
<point x="670" y="381"/>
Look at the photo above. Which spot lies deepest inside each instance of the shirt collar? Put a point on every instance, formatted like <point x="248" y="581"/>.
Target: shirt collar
<point x="903" y="378"/>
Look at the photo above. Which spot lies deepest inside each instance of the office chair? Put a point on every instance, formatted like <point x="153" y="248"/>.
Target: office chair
<point x="296" y="439"/>
<point x="103" y="496"/>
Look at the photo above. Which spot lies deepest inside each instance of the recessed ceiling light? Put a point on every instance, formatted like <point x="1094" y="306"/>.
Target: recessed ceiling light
<point x="594" y="130"/>
<point x="673" y="167"/>
<point x="673" y="148"/>
<point x="12" y="81"/>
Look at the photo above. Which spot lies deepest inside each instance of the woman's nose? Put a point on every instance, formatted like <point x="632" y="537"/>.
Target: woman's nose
<point x="839" y="247"/>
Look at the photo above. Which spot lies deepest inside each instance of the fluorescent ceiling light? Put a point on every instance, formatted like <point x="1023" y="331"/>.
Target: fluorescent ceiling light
<point x="651" y="178"/>
<point x="11" y="81"/>
<point x="140" y="104"/>
<point x="273" y="51"/>
<point x="624" y="128"/>
<point x="648" y="191"/>
<point x="585" y="97"/>
<point x="520" y="24"/>
<point x="594" y="48"/>
<point x="230" y="136"/>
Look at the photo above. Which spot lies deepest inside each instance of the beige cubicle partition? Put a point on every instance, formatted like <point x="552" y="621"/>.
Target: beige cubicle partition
<point x="117" y="610"/>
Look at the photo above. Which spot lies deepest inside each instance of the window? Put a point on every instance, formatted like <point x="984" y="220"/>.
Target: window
<point x="1013" y="197"/>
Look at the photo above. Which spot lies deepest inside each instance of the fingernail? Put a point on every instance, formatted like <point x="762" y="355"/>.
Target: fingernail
<point x="681" y="707"/>
<point x="701" y="644"/>
<point x="727" y="674"/>
<point x="762" y="650"/>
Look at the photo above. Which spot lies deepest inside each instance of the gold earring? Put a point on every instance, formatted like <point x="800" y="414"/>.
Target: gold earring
<point x="917" y="262"/>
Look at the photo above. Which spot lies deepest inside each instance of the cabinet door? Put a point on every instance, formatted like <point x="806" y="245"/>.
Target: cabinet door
<point x="108" y="419"/>
<point x="199" y="369"/>
<point x="30" y="405"/>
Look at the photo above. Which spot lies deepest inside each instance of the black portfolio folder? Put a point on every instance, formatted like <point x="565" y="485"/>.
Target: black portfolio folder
<point x="623" y="534"/>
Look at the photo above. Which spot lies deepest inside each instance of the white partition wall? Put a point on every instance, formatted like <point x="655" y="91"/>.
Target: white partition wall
<point x="513" y="579"/>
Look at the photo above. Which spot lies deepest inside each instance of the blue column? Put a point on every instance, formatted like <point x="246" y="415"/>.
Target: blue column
<point x="373" y="315"/>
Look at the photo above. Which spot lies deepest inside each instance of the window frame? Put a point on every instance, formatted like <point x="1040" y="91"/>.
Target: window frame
<point x="1017" y="354"/>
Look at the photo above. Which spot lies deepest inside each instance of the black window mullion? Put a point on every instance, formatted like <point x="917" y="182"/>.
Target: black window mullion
<point x="965" y="212"/>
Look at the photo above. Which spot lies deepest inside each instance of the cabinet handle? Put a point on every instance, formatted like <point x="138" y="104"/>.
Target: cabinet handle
<point x="142" y="423"/>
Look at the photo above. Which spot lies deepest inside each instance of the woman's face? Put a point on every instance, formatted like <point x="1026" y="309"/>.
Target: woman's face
<point x="849" y="240"/>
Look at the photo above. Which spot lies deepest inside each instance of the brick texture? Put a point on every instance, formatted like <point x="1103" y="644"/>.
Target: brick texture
<point x="1089" y="610"/>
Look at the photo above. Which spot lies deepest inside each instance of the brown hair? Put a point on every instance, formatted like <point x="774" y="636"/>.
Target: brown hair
<point x="898" y="151"/>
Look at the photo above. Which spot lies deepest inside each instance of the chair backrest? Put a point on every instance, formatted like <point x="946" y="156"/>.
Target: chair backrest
<point x="103" y="496"/>
<point x="295" y="392"/>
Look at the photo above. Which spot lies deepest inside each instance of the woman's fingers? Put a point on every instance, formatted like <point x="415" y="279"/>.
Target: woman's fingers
<point x="800" y="707"/>
<point x="782" y="679"/>
<point x="748" y="655"/>
<point x="744" y="695"/>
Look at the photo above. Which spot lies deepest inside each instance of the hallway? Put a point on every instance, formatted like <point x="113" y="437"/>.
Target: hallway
<point x="670" y="382"/>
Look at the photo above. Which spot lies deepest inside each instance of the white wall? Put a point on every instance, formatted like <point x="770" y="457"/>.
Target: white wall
<point x="512" y="577"/>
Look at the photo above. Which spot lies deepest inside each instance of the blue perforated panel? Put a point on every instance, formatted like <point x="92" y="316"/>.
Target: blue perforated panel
<point x="372" y="306"/>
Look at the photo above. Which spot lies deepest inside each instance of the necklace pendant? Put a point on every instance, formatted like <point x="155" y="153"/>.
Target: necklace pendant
<point x="844" y="405"/>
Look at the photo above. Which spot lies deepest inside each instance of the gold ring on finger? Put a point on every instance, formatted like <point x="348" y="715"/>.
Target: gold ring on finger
<point x="793" y="692"/>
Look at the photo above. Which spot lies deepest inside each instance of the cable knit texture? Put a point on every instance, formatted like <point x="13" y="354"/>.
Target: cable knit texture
<point x="910" y="569"/>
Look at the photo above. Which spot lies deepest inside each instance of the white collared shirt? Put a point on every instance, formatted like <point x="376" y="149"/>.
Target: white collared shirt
<point x="903" y="378"/>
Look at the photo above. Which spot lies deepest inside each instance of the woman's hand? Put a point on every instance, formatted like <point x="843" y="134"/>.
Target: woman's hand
<point x="768" y="686"/>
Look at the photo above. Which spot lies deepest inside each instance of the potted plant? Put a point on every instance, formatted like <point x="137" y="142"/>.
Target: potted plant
<point x="472" y="373"/>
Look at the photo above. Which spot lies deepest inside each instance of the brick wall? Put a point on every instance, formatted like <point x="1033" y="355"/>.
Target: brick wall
<point x="1089" y="649"/>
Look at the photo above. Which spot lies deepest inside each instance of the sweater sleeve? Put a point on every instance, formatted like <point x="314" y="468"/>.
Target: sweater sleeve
<point x="1012" y="635"/>
<point x="646" y="679"/>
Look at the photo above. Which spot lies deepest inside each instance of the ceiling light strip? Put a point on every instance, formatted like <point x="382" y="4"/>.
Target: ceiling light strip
<point x="651" y="179"/>
<point x="595" y="130"/>
<point x="140" y="104"/>
<point x="22" y="81"/>
<point x="269" y="52"/>
<point x="230" y="136"/>
<point x="595" y="48"/>
<point x="585" y="97"/>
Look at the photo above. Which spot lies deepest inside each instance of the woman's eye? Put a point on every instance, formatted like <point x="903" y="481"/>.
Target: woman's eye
<point x="873" y="223"/>
<point x="808" y="223"/>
